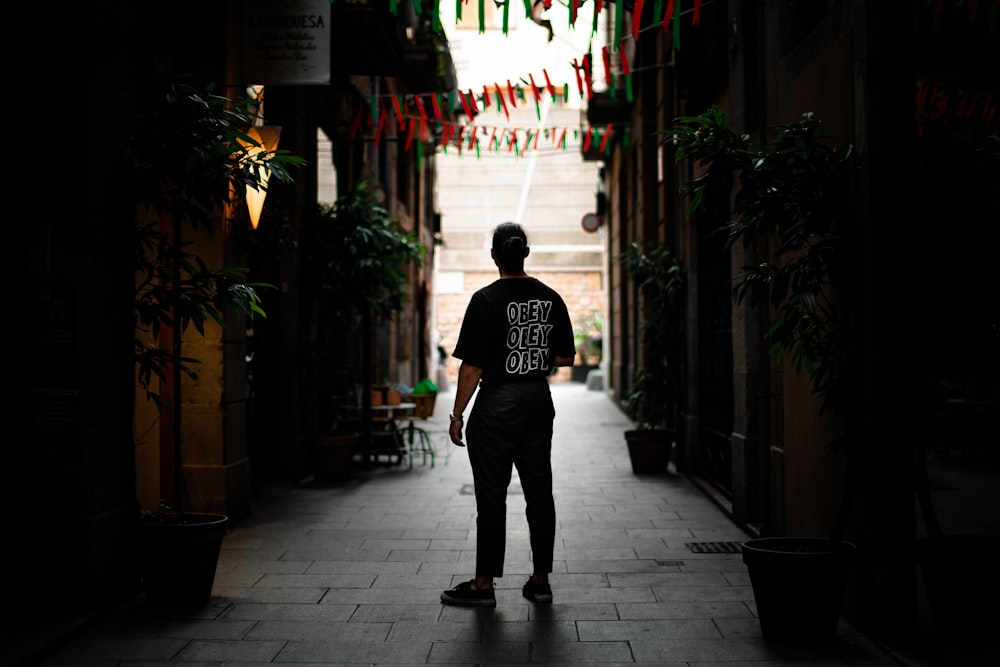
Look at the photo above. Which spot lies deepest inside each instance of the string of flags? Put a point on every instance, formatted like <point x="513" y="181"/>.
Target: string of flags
<point x="427" y="116"/>
<point x="424" y="118"/>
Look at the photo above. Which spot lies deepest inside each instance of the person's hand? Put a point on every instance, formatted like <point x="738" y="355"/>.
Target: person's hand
<point x="455" y="431"/>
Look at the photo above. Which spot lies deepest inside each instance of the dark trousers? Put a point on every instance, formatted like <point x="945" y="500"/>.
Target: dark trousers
<point x="511" y="426"/>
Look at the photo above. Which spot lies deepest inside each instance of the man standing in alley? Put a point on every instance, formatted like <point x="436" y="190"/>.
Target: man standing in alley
<point x="515" y="333"/>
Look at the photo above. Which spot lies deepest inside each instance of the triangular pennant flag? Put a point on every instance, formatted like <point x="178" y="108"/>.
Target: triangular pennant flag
<point x="619" y="19"/>
<point x="383" y="122"/>
<point x="436" y="106"/>
<point x="409" y="134"/>
<point x="623" y="57"/>
<point x="398" y="109"/>
<point x="636" y="17"/>
<point x="548" y="84"/>
<point x="356" y="125"/>
<point x="501" y="102"/>
<point x="668" y="14"/>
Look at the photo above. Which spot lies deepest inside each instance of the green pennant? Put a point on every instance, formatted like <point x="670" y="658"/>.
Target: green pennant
<point x="482" y="16"/>
<point x="619" y="21"/>
<point x="677" y="25"/>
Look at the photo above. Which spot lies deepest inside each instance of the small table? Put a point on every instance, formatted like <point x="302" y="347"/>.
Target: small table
<point x="387" y="439"/>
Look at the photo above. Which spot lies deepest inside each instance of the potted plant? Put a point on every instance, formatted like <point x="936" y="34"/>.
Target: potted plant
<point x="589" y="339"/>
<point x="793" y="194"/>
<point x="357" y="261"/>
<point x="652" y="397"/>
<point x="190" y="156"/>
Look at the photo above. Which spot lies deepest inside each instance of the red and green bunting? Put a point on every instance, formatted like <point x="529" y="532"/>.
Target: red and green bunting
<point x="422" y="119"/>
<point x="662" y="19"/>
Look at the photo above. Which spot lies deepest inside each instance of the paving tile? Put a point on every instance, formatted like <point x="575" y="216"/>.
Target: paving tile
<point x="351" y="574"/>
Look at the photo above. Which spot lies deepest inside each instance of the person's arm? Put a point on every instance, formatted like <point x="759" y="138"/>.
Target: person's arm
<point x="468" y="380"/>
<point x="562" y="361"/>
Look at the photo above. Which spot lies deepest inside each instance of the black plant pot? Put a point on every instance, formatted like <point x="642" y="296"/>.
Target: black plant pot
<point x="799" y="585"/>
<point x="178" y="555"/>
<point x="649" y="450"/>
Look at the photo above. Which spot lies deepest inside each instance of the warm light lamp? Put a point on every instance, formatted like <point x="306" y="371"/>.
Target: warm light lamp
<point x="266" y="137"/>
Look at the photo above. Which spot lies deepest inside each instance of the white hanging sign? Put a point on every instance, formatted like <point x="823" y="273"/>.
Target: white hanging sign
<point x="286" y="42"/>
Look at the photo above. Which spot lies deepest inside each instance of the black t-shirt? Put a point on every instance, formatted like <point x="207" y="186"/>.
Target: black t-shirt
<point x="513" y="328"/>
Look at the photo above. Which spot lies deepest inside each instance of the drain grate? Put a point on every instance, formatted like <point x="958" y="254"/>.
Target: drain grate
<point x="714" y="547"/>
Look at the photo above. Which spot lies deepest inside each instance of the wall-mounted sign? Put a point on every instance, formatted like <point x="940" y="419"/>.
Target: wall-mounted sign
<point x="286" y="42"/>
<point x="591" y="222"/>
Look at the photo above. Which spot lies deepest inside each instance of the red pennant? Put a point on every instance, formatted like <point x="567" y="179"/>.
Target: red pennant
<point x="397" y="109"/>
<point x="636" y="17"/>
<point x="668" y="14"/>
<point x="548" y="84"/>
<point x="579" y="81"/>
<point x="574" y="7"/>
<point x="587" y="139"/>
<point x="409" y="134"/>
<point x="486" y="97"/>
<point x="607" y="135"/>
<point x="534" y="88"/>
<point x="510" y="92"/>
<point x="472" y="102"/>
<point x="606" y="54"/>
<point x="465" y="105"/>
<point x="696" y="16"/>
<point x="589" y="80"/>
<point x="436" y="106"/>
<point x="383" y="122"/>
<point x="472" y="137"/>
<point x="356" y="125"/>
<point x="503" y="102"/>
<point x="421" y="109"/>
<point x="623" y="57"/>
